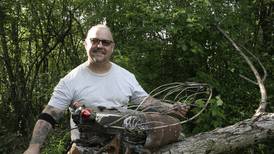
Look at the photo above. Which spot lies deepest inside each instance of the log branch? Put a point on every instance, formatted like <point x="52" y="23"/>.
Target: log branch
<point x="227" y="139"/>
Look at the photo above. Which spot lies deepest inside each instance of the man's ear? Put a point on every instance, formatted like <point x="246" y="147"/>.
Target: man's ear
<point x="113" y="46"/>
<point x="85" y="43"/>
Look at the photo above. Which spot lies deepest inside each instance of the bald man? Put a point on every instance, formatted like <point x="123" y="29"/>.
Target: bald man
<point x="96" y="82"/>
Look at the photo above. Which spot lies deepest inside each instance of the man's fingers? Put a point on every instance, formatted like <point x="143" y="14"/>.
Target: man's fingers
<point x="76" y="104"/>
<point x="182" y="109"/>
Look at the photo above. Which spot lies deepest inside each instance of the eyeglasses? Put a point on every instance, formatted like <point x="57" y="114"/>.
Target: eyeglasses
<point x="95" y="41"/>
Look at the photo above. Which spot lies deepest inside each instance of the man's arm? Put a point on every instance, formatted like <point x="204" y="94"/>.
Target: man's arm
<point x="41" y="130"/>
<point x="152" y="104"/>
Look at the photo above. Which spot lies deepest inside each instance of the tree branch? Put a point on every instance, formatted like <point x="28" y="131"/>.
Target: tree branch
<point x="260" y="82"/>
<point x="239" y="135"/>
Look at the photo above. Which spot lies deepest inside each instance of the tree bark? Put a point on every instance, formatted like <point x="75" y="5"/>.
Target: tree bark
<point x="239" y="135"/>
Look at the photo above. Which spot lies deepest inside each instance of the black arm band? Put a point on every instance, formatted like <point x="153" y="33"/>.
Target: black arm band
<point x="48" y="118"/>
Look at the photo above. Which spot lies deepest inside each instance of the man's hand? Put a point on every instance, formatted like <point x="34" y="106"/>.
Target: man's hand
<point x="33" y="149"/>
<point x="76" y="105"/>
<point x="179" y="111"/>
<point x="182" y="109"/>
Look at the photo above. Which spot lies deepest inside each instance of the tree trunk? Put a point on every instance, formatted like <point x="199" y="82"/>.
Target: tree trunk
<point x="239" y="135"/>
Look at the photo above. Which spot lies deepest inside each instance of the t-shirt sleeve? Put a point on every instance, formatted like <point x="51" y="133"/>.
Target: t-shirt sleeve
<point x="138" y="93"/>
<point x="62" y="96"/>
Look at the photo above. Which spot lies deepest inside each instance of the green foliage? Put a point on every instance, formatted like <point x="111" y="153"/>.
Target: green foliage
<point x="212" y="118"/>
<point x="57" y="142"/>
<point x="10" y="142"/>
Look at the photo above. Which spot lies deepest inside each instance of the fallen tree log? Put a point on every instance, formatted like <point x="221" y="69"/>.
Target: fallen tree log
<point x="239" y="135"/>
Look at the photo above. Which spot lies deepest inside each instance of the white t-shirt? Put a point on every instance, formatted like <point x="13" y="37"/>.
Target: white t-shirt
<point x="113" y="89"/>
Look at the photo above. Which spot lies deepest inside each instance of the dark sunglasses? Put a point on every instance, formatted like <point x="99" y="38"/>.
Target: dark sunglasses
<point x="95" y="41"/>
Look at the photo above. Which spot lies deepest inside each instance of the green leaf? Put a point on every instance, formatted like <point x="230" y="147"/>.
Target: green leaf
<point x="200" y="103"/>
<point x="219" y="101"/>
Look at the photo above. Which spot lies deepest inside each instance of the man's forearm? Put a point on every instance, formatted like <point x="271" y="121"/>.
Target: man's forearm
<point x="174" y="110"/>
<point x="156" y="104"/>
<point x="42" y="128"/>
<point x="40" y="132"/>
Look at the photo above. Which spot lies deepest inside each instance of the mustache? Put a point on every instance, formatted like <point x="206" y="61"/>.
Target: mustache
<point x="97" y="50"/>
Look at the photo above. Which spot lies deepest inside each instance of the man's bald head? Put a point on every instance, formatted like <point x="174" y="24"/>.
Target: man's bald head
<point x="100" y="28"/>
